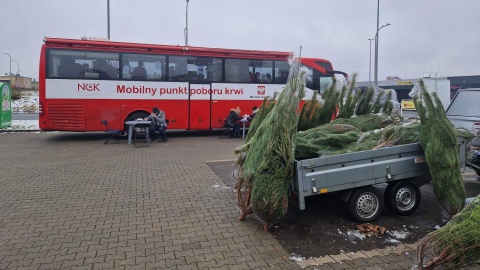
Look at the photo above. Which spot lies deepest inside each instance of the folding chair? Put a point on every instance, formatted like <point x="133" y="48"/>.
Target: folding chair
<point x="227" y="129"/>
<point x="141" y="131"/>
<point x="114" y="133"/>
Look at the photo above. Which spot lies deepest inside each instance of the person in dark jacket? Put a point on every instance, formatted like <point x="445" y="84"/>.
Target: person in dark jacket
<point x="233" y="122"/>
<point x="158" y="124"/>
<point x="254" y="112"/>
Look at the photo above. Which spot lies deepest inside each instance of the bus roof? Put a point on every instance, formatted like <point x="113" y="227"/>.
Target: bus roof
<point x="82" y="43"/>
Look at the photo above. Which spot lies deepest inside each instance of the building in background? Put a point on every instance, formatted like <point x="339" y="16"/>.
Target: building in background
<point x="34" y="84"/>
<point x="403" y="86"/>
<point x="17" y="81"/>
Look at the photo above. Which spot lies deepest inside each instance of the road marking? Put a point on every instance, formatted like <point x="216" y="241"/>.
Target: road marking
<point x="221" y="160"/>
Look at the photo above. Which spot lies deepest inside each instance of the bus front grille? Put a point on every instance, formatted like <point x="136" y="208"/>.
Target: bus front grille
<point x="67" y="116"/>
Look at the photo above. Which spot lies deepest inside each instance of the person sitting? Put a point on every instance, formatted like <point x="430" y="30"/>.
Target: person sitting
<point x="158" y="124"/>
<point x="254" y="112"/>
<point x="105" y="70"/>
<point x="233" y="122"/>
<point x="250" y="76"/>
<point x="268" y="78"/>
<point x="127" y="70"/>
<point x="139" y="73"/>
<point x="65" y="69"/>
<point x="283" y="77"/>
<point x="257" y="77"/>
<point x="238" y="111"/>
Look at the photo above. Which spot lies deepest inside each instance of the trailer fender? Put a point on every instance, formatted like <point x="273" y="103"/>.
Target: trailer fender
<point x="344" y="195"/>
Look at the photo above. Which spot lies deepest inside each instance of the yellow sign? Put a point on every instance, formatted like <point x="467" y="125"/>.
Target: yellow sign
<point x="404" y="83"/>
<point x="408" y="104"/>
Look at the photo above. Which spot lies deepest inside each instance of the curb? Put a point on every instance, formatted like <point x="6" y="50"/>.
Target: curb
<point x="20" y="130"/>
<point x="339" y="258"/>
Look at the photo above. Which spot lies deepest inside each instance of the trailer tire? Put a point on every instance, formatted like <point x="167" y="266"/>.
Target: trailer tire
<point x="365" y="204"/>
<point x="403" y="197"/>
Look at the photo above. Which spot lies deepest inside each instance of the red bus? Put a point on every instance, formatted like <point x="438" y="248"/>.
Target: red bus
<point x="82" y="82"/>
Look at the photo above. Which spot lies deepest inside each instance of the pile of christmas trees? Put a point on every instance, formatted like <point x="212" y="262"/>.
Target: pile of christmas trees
<point x="265" y="164"/>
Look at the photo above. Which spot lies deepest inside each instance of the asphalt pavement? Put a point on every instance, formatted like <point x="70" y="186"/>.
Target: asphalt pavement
<point x="25" y="116"/>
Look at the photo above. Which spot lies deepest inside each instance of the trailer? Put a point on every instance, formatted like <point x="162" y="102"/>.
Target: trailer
<point x="352" y="176"/>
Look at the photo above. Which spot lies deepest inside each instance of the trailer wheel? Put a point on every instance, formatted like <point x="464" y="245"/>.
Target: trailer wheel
<point x="365" y="204"/>
<point x="402" y="198"/>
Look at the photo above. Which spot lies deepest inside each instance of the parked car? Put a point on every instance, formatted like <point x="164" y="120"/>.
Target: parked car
<point x="464" y="110"/>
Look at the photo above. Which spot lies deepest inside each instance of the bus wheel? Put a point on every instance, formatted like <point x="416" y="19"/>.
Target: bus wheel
<point x="134" y="116"/>
<point x="365" y="204"/>
<point x="402" y="197"/>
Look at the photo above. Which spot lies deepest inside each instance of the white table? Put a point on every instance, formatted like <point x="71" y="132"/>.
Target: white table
<point x="131" y="125"/>
<point x="244" y="121"/>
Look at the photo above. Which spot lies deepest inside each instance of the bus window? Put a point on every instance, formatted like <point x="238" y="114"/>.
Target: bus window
<point x="325" y="65"/>
<point x="310" y="83"/>
<point x="282" y="68"/>
<point x="261" y="71"/>
<point x="214" y="70"/>
<point x="204" y="69"/>
<point x="177" y="66"/>
<point x="325" y="82"/>
<point x="236" y="70"/>
<point x="246" y="70"/>
<point x="143" y="67"/>
<point x="317" y="81"/>
<point x="75" y="64"/>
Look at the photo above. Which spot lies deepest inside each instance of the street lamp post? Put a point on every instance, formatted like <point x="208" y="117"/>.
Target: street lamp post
<point x="376" y="54"/>
<point x="186" y="25"/>
<point x="370" y="65"/>
<point x="10" y="71"/>
<point x="108" y="19"/>
<point x="18" y="67"/>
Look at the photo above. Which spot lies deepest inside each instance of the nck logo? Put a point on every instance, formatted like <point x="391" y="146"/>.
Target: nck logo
<point x="261" y="90"/>
<point x="90" y="87"/>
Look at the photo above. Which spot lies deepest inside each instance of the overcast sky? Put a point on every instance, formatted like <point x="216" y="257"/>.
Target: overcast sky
<point x="425" y="35"/>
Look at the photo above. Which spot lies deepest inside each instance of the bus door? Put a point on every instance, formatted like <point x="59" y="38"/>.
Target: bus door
<point x="199" y="106"/>
<point x="223" y="100"/>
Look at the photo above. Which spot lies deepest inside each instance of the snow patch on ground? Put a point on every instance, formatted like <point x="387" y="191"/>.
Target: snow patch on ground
<point x="296" y="257"/>
<point x="28" y="103"/>
<point x="356" y="234"/>
<point x="391" y="240"/>
<point x="399" y="234"/>
<point x="352" y="235"/>
<point x="396" y="235"/>
<point x="23" y="125"/>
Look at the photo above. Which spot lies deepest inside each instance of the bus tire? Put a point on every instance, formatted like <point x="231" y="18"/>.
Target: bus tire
<point x="365" y="204"/>
<point x="134" y="116"/>
<point x="403" y="197"/>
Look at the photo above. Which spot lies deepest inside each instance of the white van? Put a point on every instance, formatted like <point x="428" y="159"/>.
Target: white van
<point x="464" y="110"/>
